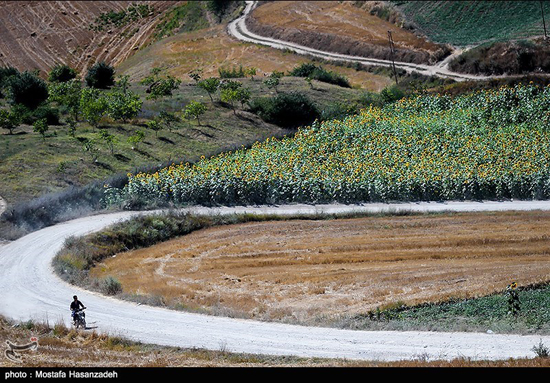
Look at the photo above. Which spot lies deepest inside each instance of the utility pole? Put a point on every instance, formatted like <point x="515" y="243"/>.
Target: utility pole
<point x="392" y="50"/>
<point x="543" y="22"/>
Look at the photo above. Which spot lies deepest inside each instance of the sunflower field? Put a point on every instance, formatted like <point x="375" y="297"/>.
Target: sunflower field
<point x="485" y="145"/>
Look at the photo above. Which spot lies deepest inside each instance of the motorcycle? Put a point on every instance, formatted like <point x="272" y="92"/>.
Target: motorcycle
<point x="79" y="318"/>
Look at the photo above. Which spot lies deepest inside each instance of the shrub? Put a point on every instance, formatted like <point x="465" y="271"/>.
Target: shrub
<point x="101" y="76"/>
<point x="28" y="89"/>
<point x="234" y="72"/>
<point x="289" y="110"/>
<point x="46" y="112"/>
<point x="111" y="286"/>
<point x="61" y="73"/>
<point x="9" y="120"/>
<point x="5" y="74"/>
<point x="318" y="73"/>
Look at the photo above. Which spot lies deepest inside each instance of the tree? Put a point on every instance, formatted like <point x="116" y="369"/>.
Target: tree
<point x="232" y="95"/>
<point x="61" y="73"/>
<point x="9" y="120"/>
<point x="194" y="110"/>
<point x="168" y="119"/>
<point x="122" y="106"/>
<point x="136" y="139"/>
<point x="109" y="139"/>
<point x="41" y="126"/>
<point x="210" y="85"/>
<point x="67" y="94"/>
<point x="159" y="86"/>
<point x="90" y="147"/>
<point x="93" y="105"/>
<point x="272" y="82"/>
<point x="101" y="76"/>
<point x="28" y="89"/>
<point x="155" y="126"/>
<point x="5" y="74"/>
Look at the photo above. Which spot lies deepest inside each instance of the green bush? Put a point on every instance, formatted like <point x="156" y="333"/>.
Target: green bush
<point x="61" y="73"/>
<point x="101" y="75"/>
<point x="111" y="286"/>
<point x="5" y="74"/>
<point x="27" y="89"/>
<point x="320" y="74"/>
<point x="289" y="110"/>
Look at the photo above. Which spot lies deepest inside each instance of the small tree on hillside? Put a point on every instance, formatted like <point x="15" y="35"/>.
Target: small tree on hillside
<point x="136" y="139"/>
<point x="41" y="126"/>
<point x="101" y="76"/>
<point x="194" y="110"/>
<point x="67" y="94"/>
<point x="109" y="139"/>
<point x="210" y="85"/>
<point x="9" y="120"/>
<point x="122" y="106"/>
<point x="93" y="105"/>
<point x="168" y="119"/>
<point x="159" y="86"/>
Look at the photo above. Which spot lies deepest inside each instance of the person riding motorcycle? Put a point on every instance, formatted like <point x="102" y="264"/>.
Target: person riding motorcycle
<point x="75" y="306"/>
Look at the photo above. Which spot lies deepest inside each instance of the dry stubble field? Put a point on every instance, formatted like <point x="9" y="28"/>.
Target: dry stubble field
<point x="314" y="271"/>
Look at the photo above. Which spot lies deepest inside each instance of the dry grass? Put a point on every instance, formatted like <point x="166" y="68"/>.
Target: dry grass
<point x="301" y="271"/>
<point x="212" y="48"/>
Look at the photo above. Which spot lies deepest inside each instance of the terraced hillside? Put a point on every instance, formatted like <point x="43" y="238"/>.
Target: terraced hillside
<point x="41" y="34"/>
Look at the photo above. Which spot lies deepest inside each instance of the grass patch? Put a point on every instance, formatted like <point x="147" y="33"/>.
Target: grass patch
<point x="477" y="314"/>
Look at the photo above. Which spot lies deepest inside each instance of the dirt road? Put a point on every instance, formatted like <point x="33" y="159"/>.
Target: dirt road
<point x="237" y="28"/>
<point x="31" y="290"/>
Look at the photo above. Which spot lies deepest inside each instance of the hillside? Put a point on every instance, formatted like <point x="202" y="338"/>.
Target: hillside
<point x="41" y="34"/>
<point x="463" y="23"/>
<point x="340" y="27"/>
<point x="420" y="148"/>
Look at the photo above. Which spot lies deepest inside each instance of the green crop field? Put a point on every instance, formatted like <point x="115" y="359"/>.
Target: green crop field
<point x="474" y="22"/>
<point x="488" y="144"/>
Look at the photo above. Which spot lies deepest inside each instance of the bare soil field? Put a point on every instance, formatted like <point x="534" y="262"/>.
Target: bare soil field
<point x="41" y="34"/>
<point x="315" y="271"/>
<point x="212" y="48"/>
<point x="341" y="27"/>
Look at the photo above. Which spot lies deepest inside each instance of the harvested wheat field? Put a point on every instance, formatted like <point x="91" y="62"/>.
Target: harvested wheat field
<point x="310" y="270"/>
<point x="342" y="27"/>
<point x="212" y="48"/>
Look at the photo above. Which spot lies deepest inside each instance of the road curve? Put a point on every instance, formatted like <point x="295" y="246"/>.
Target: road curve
<point x="237" y="28"/>
<point x="31" y="290"/>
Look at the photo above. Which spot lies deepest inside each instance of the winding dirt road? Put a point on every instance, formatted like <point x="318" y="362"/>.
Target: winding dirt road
<point x="237" y="28"/>
<point x="31" y="290"/>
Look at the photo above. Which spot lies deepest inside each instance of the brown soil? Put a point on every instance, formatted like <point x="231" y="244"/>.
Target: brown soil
<point x="341" y="27"/>
<point x="41" y="34"/>
<point x="307" y="270"/>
